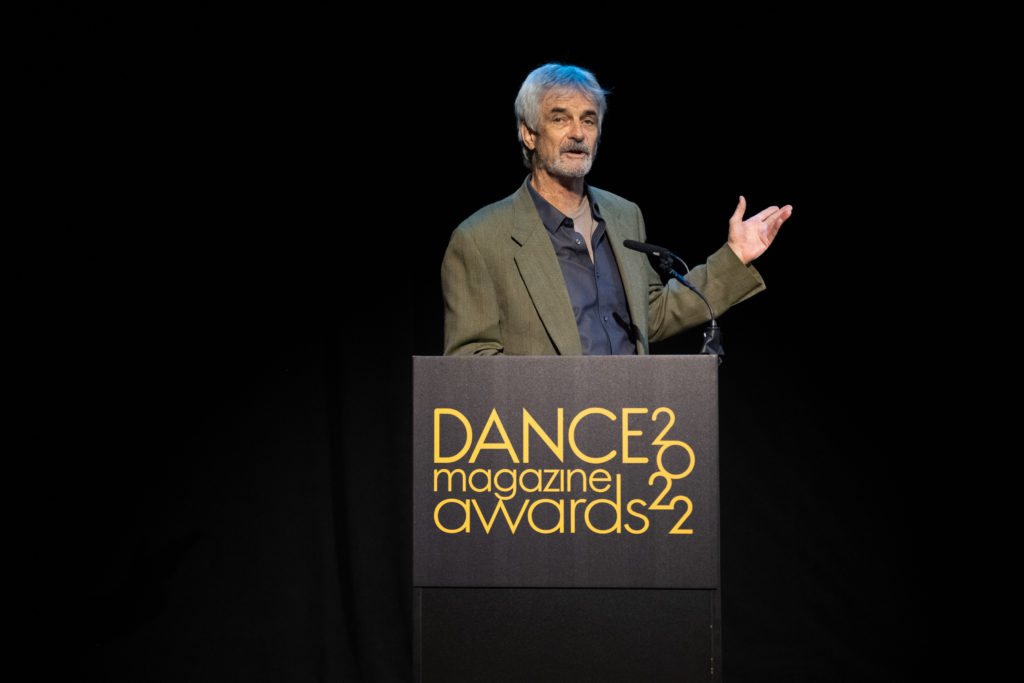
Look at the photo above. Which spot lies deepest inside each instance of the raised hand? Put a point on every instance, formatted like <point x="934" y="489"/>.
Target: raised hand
<point x="751" y="237"/>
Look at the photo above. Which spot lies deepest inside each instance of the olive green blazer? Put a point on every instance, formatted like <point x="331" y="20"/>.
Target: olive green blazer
<point x="504" y="293"/>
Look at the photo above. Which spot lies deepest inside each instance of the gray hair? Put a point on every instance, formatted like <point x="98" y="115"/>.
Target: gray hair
<point x="554" y="77"/>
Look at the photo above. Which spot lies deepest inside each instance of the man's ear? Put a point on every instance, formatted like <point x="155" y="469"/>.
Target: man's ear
<point x="528" y="136"/>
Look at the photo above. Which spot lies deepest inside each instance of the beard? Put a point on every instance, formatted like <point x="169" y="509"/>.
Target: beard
<point x="565" y="167"/>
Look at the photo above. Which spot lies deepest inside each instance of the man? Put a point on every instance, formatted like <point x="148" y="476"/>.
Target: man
<point x="545" y="272"/>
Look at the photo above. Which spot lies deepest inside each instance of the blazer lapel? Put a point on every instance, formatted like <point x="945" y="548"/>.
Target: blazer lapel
<point x="538" y="266"/>
<point x="636" y="287"/>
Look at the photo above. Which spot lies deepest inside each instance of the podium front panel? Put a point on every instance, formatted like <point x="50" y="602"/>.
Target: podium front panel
<point x="586" y="472"/>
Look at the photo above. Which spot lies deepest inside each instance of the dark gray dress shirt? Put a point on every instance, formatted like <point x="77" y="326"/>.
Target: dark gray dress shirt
<point x="595" y="287"/>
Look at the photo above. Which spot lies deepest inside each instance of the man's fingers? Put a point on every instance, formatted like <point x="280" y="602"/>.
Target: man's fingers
<point x="767" y="214"/>
<point x="771" y="215"/>
<point x="781" y="215"/>
<point x="778" y="219"/>
<point x="741" y="208"/>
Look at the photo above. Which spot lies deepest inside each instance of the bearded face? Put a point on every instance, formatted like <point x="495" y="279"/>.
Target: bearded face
<point x="565" y="141"/>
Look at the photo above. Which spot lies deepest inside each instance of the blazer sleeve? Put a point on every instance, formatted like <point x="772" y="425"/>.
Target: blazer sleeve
<point x="723" y="280"/>
<point x="471" y="312"/>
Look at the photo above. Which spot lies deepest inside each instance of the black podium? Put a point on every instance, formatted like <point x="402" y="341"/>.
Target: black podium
<point x="566" y="519"/>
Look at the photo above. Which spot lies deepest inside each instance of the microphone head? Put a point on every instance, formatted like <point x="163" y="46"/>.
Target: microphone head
<point x="645" y="248"/>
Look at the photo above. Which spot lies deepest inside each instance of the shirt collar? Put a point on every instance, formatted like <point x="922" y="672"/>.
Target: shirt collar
<point x="551" y="217"/>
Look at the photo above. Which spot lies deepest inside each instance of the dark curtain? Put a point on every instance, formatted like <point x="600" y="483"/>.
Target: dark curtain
<point x="267" y="204"/>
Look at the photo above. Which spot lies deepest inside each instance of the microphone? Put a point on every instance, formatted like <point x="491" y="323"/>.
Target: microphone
<point x="666" y="257"/>
<point x="662" y="260"/>
<point x="651" y="249"/>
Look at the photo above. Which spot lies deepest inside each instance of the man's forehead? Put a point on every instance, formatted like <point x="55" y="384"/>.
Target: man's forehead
<point x="563" y="98"/>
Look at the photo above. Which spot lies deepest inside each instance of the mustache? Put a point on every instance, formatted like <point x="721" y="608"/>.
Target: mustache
<point x="574" y="147"/>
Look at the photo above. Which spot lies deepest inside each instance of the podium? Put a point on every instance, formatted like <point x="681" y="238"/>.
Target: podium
<point x="566" y="519"/>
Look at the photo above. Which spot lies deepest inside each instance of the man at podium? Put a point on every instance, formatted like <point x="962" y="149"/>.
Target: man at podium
<point x="545" y="271"/>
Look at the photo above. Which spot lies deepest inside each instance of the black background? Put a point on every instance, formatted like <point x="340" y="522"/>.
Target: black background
<point x="244" y="216"/>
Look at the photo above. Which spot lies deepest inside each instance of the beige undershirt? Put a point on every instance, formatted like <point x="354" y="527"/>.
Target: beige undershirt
<point x="583" y="223"/>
